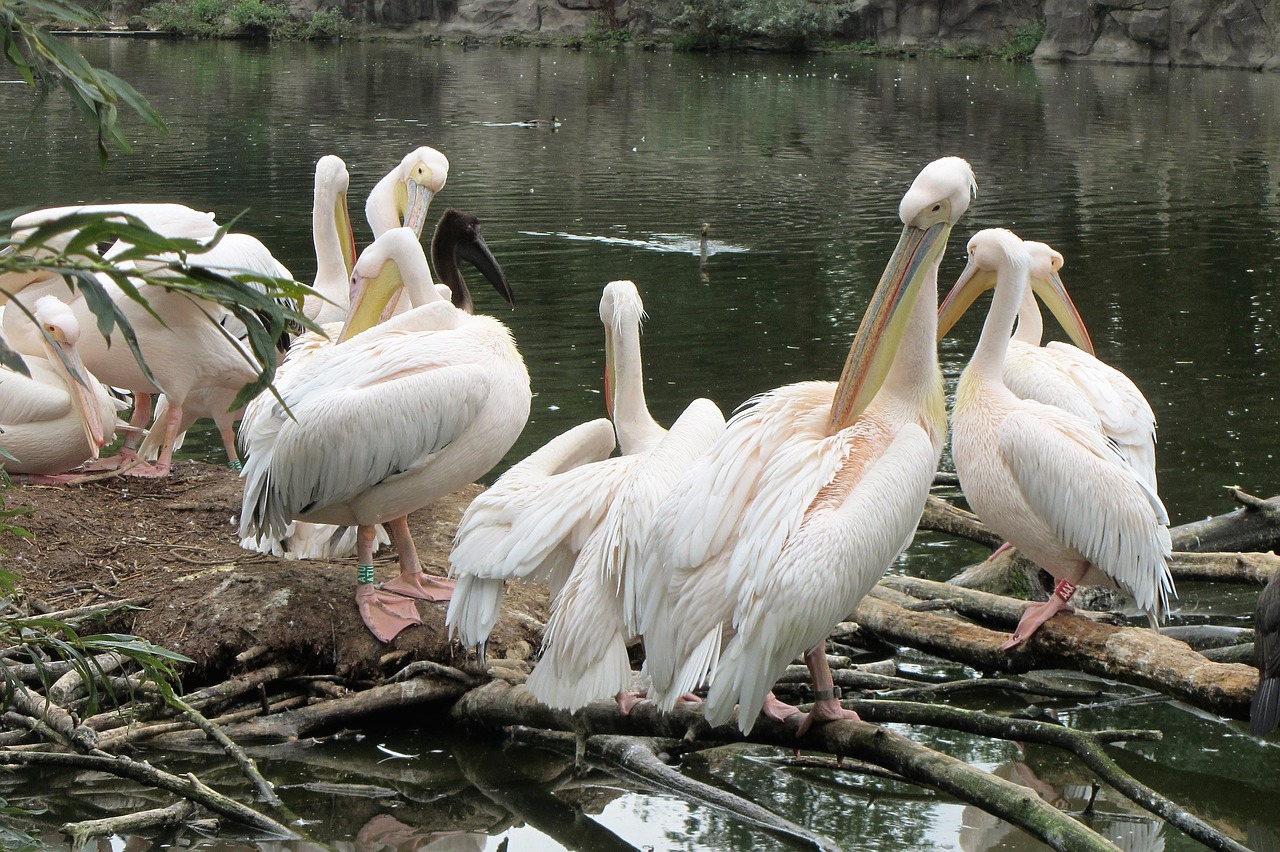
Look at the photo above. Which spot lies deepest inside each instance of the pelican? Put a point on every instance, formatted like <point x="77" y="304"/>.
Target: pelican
<point x="594" y="617"/>
<point x="778" y="531"/>
<point x="389" y="419"/>
<point x="333" y="240"/>
<point x="60" y="415"/>
<point x="404" y="194"/>
<point x="537" y="518"/>
<point x="1072" y="378"/>
<point x="1045" y="479"/>
<point x="458" y="236"/>
<point x="185" y="352"/>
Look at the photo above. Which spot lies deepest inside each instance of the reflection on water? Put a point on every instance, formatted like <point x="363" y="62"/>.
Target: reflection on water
<point x="1158" y="186"/>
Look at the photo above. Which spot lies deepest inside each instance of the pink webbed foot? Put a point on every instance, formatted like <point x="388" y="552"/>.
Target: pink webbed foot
<point x="124" y="457"/>
<point x="825" y="710"/>
<point x="627" y="700"/>
<point x="386" y="615"/>
<point x="421" y="586"/>
<point x="146" y="470"/>
<point x="1033" y="617"/>
<point x="776" y="709"/>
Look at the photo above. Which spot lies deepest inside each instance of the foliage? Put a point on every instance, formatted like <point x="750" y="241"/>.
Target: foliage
<point x="722" y="24"/>
<point x="326" y="24"/>
<point x="251" y="18"/>
<point x="44" y="61"/>
<point x="1022" y="45"/>
<point x="67" y="246"/>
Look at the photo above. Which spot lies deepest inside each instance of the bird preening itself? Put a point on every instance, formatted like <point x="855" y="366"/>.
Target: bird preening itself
<point x="1045" y="479"/>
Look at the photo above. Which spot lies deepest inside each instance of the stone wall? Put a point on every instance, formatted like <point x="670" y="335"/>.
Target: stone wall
<point x="1220" y="33"/>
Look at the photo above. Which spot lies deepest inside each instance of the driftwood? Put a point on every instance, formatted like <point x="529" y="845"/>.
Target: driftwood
<point x="175" y="814"/>
<point x="189" y="787"/>
<point x="638" y="758"/>
<point x="499" y="705"/>
<point x="1137" y="655"/>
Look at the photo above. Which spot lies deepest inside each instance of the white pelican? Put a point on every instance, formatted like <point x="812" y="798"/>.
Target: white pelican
<point x="535" y="520"/>
<point x="184" y="351"/>
<point x="814" y="489"/>
<point x="1043" y="478"/>
<point x="333" y="240"/>
<point x="385" y="422"/>
<point x="404" y="194"/>
<point x="60" y="415"/>
<point x="1074" y="379"/>
<point x="457" y="237"/>
<point x="594" y="617"/>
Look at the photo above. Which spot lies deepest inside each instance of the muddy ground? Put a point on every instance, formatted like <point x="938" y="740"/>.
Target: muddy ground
<point x="171" y="543"/>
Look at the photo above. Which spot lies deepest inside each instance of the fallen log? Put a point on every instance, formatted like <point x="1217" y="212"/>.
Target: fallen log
<point x="126" y="824"/>
<point x="637" y="758"/>
<point x="142" y="772"/>
<point x="1255" y="526"/>
<point x="325" y="715"/>
<point x="498" y="705"/>
<point x="1136" y="655"/>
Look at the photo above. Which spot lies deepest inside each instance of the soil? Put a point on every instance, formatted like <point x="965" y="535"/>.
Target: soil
<point x="171" y="545"/>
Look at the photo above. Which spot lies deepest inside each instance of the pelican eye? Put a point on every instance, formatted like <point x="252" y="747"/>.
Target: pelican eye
<point x="937" y="207"/>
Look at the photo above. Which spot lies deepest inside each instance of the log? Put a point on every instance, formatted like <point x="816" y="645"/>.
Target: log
<point x="637" y="758"/>
<point x="144" y="773"/>
<point x="1253" y="527"/>
<point x="1136" y="655"/>
<point x="499" y="705"/>
<point x="941" y="516"/>
<point x="175" y="814"/>
<point x="325" y="715"/>
<point x="1088" y="746"/>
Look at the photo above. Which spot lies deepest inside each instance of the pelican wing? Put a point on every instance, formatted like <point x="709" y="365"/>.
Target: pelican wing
<point x="1084" y="491"/>
<point x="687" y="596"/>
<point x="38" y="399"/>
<point x="848" y="538"/>
<point x="629" y="519"/>
<point x="389" y="406"/>
<point x="1123" y="411"/>
<point x="531" y="524"/>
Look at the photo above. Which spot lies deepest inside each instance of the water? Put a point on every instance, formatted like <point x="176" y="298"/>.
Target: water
<point x="1156" y="184"/>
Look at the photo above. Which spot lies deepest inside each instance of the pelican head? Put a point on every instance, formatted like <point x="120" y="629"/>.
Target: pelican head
<point x="938" y="197"/>
<point x="620" y="308"/>
<point x="332" y="182"/>
<point x="987" y="250"/>
<point x="61" y="332"/>
<point x="1045" y="266"/>
<point x="391" y="263"/>
<point x="407" y="190"/>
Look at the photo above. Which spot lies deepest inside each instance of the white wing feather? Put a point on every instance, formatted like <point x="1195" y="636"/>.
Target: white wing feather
<point x="1077" y="482"/>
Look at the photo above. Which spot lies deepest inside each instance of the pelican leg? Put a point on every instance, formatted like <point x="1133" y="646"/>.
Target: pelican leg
<point x="826" y="704"/>
<point x="412" y="582"/>
<point x="170" y="429"/>
<point x="1037" y="614"/>
<point x="385" y="614"/>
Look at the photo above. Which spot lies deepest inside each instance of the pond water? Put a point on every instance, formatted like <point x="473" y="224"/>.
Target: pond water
<point x="1157" y="185"/>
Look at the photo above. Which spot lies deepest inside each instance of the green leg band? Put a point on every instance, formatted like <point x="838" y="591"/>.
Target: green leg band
<point x="235" y="465"/>
<point x="364" y="574"/>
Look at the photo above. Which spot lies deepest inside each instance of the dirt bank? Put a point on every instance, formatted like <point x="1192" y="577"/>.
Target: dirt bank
<point x="172" y="544"/>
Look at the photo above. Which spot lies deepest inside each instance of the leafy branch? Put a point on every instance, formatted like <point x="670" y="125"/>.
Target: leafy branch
<point x="45" y="61"/>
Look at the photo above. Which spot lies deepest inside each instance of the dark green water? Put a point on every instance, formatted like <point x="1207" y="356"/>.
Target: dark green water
<point x="1157" y="185"/>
